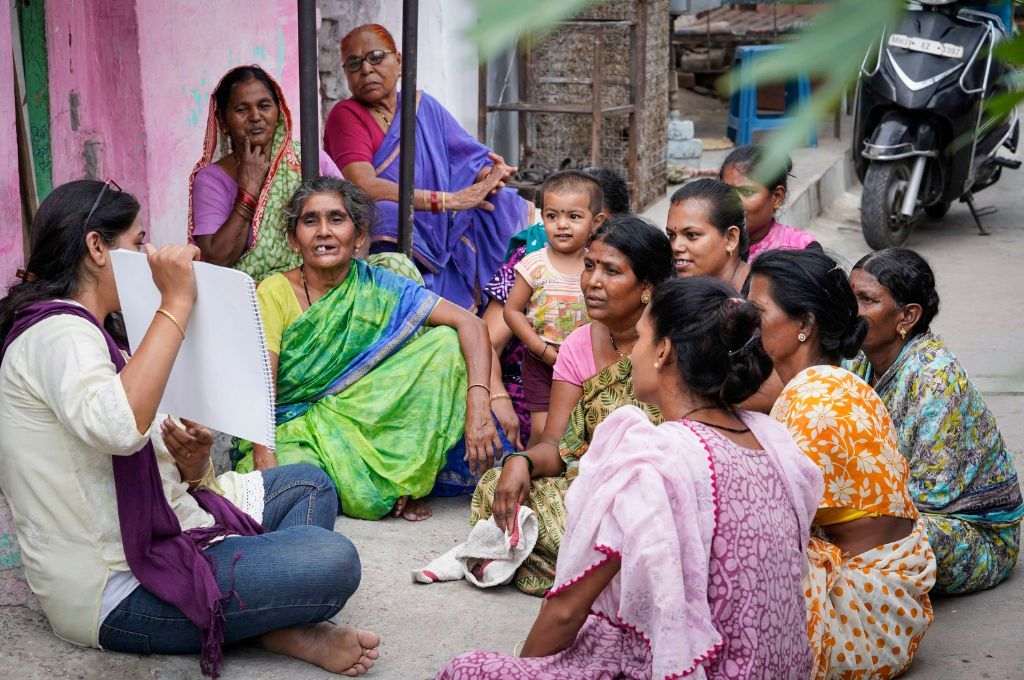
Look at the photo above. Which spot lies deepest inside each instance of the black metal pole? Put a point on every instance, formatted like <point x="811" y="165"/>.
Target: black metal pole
<point x="407" y="141"/>
<point x="309" y="118"/>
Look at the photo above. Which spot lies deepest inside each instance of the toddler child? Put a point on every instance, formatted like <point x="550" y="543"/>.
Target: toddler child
<point x="761" y="201"/>
<point x="546" y="301"/>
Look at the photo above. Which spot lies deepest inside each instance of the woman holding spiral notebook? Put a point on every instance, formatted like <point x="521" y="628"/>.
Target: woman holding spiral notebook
<point x="166" y="553"/>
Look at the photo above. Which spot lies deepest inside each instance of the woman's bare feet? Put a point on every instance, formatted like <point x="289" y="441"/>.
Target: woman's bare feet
<point x="338" y="649"/>
<point x="412" y="509"/>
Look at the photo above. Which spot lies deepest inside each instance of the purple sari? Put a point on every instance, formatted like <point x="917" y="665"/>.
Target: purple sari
<point x="459" y="251"/>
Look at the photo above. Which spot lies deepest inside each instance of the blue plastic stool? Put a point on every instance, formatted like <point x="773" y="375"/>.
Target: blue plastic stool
<point x="744" y="120"/>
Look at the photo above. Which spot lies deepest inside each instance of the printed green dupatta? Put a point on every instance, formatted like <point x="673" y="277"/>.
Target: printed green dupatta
<point x="267" y="252"/>
<point x="602" y="394"/>
<point x="364" y="396"/>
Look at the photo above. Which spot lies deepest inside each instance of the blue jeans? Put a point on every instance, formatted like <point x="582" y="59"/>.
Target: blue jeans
<point x="299" y="572"/>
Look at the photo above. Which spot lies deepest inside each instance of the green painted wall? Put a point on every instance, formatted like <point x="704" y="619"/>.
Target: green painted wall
<point x="32" y="26"/>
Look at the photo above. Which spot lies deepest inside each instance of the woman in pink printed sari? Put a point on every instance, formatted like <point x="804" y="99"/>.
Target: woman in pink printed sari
<point x="684" y="549"/>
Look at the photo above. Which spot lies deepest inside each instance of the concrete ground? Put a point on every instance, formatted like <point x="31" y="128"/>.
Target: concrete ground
<point x="978" y="636"/>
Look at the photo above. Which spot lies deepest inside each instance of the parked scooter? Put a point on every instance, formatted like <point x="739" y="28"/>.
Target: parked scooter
<point x="921" y="140"/>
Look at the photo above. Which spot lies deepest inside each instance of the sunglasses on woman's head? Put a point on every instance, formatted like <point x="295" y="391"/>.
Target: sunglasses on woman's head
<point x="375" y="57"/>
<point x="99" y="197"/>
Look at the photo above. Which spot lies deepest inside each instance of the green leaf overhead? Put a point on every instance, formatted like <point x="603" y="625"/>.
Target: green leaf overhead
<point x="500" y="22"/>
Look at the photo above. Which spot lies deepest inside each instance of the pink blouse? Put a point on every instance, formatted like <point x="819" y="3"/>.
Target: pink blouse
<point x="575" y="363"/>
<point x="213" y="195"/>
<point x="781" y="237"/>
<point x="351" y="135"/>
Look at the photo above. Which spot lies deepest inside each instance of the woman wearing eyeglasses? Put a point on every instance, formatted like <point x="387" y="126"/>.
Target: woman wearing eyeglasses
<point x="249" y="170"/>
<point x="464" y="217"/>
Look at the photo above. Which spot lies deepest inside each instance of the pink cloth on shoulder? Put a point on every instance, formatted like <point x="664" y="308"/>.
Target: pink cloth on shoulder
<point x="648" y="495"/>
<point x="575" y="363"/>
<point x="781" y="236"/>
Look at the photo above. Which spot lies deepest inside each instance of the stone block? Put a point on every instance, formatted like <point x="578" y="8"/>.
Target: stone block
<point x="685" y="149"/>
<point x="680" y="130"/>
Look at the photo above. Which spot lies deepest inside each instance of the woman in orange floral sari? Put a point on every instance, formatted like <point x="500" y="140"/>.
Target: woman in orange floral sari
<point x="870" y="565"/>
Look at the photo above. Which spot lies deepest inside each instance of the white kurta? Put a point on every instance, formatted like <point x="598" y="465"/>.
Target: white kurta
<point x="63" y="414"/>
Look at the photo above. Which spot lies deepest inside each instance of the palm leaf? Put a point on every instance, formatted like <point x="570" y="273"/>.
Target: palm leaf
<point x="831" y="49"/>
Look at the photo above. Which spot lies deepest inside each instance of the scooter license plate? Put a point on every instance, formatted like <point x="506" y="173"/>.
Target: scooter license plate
<point x="915" y="44"/>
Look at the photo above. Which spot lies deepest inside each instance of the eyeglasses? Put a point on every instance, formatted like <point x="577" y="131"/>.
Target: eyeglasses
<point x="375" y="57"/>
<point x="99" y="197"/>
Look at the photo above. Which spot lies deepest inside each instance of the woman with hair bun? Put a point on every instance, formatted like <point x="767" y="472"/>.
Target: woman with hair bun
<point x="709" y="511"/>
<point x="871" y="566"/>
<point x="962" y="477"/>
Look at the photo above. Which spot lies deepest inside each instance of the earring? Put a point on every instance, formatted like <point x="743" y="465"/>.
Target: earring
<point x="728" y="251"/>
<point x="645" y="297"/>
<point x="902" y="332"/>
<point x="657" y="365"/>
<point x="802" y="337"/>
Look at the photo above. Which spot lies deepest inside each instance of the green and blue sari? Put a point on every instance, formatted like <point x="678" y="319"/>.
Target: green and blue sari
<point x="368" y="397"/>
<point x="962" y="476"/>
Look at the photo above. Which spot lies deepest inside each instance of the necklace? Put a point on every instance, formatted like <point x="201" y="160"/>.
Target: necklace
<point x="615" y="345"/>
<point x="734" y="430"/>
<point x="382" y="115"/>
<point x="302" y="275"/>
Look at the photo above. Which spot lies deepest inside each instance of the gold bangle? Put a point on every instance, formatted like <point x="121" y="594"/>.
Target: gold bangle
<point x="481" y="385"/>
<point x="503" y="395"/>
<point x="170" y="316"/>
<point x="205" y="477"/>
<point x="443" y="207"/>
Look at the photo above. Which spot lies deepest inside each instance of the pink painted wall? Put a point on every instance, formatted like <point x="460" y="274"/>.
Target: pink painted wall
<point x="96" y="124"/>
<point x="11" y="254"/>
<point x="186" y="46"/>
<point x="130" y="84"/>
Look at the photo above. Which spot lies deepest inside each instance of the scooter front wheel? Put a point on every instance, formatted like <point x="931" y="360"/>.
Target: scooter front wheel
<point x="883" y="224"/>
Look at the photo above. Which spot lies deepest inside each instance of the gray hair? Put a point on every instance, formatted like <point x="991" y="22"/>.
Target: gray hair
<point x="358" y="205"/>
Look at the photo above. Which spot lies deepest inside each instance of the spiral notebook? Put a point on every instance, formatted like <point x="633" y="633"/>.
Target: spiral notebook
<point x="221" y="377"/>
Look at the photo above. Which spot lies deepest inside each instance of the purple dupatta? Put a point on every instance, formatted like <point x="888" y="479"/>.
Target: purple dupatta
<point x="460" y="250"/>
<point x="167" y="562"/>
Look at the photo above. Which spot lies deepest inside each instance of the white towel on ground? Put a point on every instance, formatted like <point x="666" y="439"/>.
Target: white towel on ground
<point x="489" y="557"/>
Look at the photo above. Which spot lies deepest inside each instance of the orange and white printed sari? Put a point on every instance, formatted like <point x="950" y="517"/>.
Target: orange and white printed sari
<point x="867" y="613"/>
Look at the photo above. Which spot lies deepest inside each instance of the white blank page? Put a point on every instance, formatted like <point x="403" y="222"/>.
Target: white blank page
<point x="221" y="377"/>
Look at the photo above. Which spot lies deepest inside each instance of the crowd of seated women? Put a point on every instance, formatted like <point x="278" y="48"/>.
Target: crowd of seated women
<point x="782" y="450"/>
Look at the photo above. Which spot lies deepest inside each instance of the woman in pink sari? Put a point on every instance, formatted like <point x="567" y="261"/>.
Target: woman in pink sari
<point x="684" y="548"/>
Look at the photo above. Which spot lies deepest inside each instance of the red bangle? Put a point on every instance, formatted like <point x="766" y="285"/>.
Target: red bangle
<point x="435" y="207"/>
<point x="247" y="199"/>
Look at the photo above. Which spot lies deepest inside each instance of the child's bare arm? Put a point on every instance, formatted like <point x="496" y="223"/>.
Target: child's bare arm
<point x="515" y="317"/>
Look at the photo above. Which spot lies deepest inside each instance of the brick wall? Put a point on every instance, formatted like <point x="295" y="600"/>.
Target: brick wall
<point x="560" y="72"/>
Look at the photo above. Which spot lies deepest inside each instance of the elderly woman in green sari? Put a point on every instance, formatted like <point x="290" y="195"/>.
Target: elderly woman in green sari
<point x="363" y="391"/>
<point x="626" y="259"/>
<point x="962" y="476"/>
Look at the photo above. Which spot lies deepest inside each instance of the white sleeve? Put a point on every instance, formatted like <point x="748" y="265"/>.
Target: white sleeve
<point x="68" y="365"/>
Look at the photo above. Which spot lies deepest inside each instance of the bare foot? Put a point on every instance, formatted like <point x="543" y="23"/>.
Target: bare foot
<point x="338" y="649"/>
<point x="412" y="510"/>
